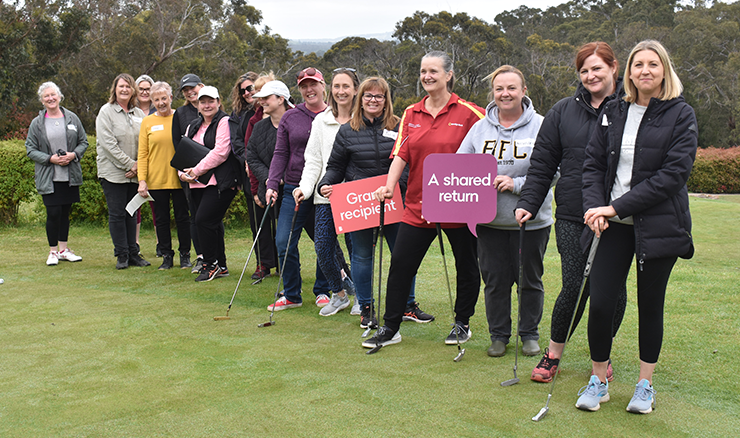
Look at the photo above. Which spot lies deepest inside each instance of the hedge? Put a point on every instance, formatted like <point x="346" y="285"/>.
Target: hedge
<point x="17" y="186"/>
<point x="716" y="171"/>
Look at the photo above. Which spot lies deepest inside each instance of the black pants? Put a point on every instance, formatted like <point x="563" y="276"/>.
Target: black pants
<point x="610" y="269"/>
<point x="57" y="223"/>
<point x="210" y="208"/>
<point x="122" y="225"/>
<point x="266" y="241"/>
<point x="411" y="246"/>
<point x="162" y="220"/>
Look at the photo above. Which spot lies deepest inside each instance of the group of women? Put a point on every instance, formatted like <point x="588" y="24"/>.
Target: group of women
<point x="619" y="152"/>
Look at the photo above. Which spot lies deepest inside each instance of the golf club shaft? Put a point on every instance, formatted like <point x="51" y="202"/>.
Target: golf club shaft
<point x="522" y="230"/>
<point x="282" y="268"/>
<point x="449" y="289"/>
<point x="380" y="256"/>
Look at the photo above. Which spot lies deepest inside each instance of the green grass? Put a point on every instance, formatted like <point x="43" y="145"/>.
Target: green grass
<point x="88" y="351"/>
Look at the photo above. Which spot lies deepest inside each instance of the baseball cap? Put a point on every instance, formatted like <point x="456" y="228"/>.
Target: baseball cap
<point x="208" y="91"/>
<point x="189" y="80"/>
<point x="277" y="88"/>
<point x="310" y="73"/>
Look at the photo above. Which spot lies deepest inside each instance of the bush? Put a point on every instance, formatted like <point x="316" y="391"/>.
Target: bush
<point x="17" y="183"/>
<point x="716" y="171"/>
<point x="92" y="207"/>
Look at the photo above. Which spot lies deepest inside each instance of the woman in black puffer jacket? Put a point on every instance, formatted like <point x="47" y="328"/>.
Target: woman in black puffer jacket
<point x="561" y="145"/>
<point x="362" y="149"/>
<point x="635" y="197"/>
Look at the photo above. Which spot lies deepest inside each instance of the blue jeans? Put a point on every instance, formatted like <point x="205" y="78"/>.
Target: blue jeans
<point x="291" y="265"/>
<point x="362" y="262"/>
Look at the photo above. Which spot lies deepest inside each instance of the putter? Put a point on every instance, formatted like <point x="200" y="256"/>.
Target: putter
<point x="586" y="271"/>
<point x="380" y="271"/>
<point x="222" y="318"/>
<point x="460" y="351"/>
<point x="274" y="226"/>
<point x="372" y="269"/>
<point x="282" y="269"/>
<point x="515" y="380"/>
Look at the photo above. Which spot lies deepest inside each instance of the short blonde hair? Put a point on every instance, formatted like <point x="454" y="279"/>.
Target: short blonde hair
<point x="501" y="70"/>
<point x="672" y="87"/>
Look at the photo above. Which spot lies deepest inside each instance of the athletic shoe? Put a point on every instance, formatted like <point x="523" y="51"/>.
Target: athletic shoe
<point x="166" y="262"/>
<point x="609" y="371"/>
<point x="643" y="402"/>
<point x="336" y="304"/>
<point x="260" y="272"/>
<point x="122" y="261"/>
<point x="137" y="260"/>
<point x="208" y="272"/>
<point x="384" y="336"/>
<point x="348" y="285"/>
<point x="356" y="311"/>
<point x="198" y="265"/>
<point x="322" y="300"/>
<point x="414" y="313"/>
<point x="185" y="260"/>
<point x="367" y="319"/>
<point x="224" y="272"/>
<point x="460" y="331"/>
<point x="68" y="255"/>
<point x="282" y="304"/>
<point x="591" y="395"/>
<point x="546" y="369"/>
<point x="53" y="259"/>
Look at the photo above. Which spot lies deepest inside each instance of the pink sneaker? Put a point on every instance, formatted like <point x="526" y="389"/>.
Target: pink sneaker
<point x="322" y="300"/>
<point x="282" y="304"/>
<point x="609" y="372"/>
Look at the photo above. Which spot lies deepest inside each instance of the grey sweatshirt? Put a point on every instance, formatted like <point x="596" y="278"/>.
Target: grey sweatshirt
<point x="512" y="148"/>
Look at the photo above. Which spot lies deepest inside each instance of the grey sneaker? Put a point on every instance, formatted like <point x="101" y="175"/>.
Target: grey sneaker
<point x="197" y="266"/>
<point x="643" y="402"/>
<point x="463" y="334"/>
<point x="591" y="395"/>
<point x="336" y="304"/>
<point x="356" y="309"/>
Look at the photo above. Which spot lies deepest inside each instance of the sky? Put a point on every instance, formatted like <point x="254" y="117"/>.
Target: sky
<point x="327" y="19"/>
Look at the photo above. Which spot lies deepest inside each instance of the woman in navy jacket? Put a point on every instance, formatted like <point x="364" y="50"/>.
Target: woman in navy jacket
<point x="635" y="198"/>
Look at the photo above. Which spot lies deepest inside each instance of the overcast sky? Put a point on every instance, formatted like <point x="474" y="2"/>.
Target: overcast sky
<point x="327" y="19"/>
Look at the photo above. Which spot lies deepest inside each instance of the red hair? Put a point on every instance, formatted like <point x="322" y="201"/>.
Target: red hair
<point x="600" y="49"/>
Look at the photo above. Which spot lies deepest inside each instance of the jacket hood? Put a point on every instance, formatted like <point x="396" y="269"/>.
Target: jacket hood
<point x="526" y="117"/>
<point x="583" y="93"/>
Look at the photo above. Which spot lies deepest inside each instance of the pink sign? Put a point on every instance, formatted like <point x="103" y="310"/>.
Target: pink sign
<point x="354" y="207"/>
<point x="458" y="188"/>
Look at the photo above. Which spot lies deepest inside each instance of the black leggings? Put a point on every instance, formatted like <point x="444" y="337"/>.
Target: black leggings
<point x="572" y="264"/>
<point x="57" y="223"/>
<point x="610" y="269"/>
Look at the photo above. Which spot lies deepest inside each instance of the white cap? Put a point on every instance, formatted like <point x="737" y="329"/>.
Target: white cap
<point x="277" y="88"/>
<point x="208" y="91"/>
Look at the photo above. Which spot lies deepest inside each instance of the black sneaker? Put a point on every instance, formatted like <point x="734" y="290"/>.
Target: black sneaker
<point x="261" y="272"/>
<point x="208" y="272"/>
<point x="122" y="261"/>
<point x="414" y="313"/>
<point x="136" y="260"/>
<point x="185" y="260"/>
<point x="166" y="262"/>
<point x="384" y="336"/>
<point x="461" y="332"/>
<point x="367" y="318"/>
<point x="224" y="272"/>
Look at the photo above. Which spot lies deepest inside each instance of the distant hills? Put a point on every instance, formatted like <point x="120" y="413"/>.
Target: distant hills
<point x="319" y="46"/>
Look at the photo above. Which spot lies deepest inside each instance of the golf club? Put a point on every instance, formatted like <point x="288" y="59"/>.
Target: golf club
<point x="282" y="268"/>
<point x="221" y="318"/>
<point x="515" y="380"/>
<point x="274" y="226"/>
<point x="380" y="272"/>
<point x="372" y="270"/>
<point x="460" y="351"/>
<point x="586" y="271"/>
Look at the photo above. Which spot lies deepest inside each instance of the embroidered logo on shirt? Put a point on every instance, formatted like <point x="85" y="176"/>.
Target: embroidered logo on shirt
<point x="455" y="124"/>
<point x="414" y="125"/>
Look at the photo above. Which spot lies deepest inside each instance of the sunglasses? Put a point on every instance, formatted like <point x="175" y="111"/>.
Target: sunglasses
<point x="341" y="69"/>
<point x="247" y="89"/>
<point x="309" y="72"/>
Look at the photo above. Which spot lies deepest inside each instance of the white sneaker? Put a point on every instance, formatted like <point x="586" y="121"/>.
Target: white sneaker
<point x="53" y="259"/>
<point x="356" y="310"/>
<point x="68" y="255"/>
<point x="336" y="304"/>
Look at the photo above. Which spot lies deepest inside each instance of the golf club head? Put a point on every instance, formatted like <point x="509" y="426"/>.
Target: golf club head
<point x="374" y="349"/>
<point x="366" y="332"/>
<point x="510" y="382"/>
<point x="266" y="324"/>
<point x="257" y="281"/>
<point x="541" y="414"/>
<point x="221" y="318"/>
<point x="459" y="355"/>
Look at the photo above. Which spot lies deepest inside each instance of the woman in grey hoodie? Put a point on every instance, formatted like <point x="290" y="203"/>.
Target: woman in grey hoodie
<point x="508" y="132"/>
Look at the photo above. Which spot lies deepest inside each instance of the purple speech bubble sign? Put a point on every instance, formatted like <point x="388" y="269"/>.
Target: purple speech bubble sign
<point x="458" y="188"/>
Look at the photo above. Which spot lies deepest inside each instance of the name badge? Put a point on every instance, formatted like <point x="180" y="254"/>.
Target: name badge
<point x="136" y="119"/>
<point x="72" y="127"/>
<point x="390" y="134"/>
<point x="156" y="128"/>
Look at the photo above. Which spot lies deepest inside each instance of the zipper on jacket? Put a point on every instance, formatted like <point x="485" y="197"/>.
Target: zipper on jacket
<point x="641" y="262"/>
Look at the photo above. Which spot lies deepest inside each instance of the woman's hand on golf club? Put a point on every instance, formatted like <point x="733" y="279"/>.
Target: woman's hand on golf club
<point x="298" y="195"/>
<point x="326" y="191"/>
<point x="383" y="193"/>
<point x="522" y="216"/>
<point x="271" y="196"/>
<point x="598" y="218"/>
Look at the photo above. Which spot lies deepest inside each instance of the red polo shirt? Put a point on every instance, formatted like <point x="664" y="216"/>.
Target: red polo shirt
<point x="420" y="134"/>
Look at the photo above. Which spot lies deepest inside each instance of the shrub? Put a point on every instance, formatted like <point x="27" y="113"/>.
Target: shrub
<point x="716" y="171"/>
<point x="17" y="183"/>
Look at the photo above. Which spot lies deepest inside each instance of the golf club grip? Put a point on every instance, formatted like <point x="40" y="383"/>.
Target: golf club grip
<point x="591" y="256"/>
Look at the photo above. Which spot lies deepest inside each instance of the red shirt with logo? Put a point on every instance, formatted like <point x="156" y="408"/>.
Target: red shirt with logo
<point x="421" y="134"/>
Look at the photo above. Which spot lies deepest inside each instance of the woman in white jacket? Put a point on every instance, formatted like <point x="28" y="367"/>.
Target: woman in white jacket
<point x="508" y="132"/>
<point x="344" y="85"/>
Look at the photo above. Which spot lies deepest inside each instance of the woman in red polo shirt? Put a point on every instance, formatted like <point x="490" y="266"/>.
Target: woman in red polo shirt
<point x="437" y="124"/>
